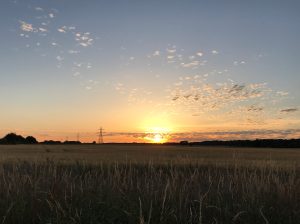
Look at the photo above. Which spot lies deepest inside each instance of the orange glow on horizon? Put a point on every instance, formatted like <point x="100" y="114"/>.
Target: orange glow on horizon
<point x="157" y="135"/>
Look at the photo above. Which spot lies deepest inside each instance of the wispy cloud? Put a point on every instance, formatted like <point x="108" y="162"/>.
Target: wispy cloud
<point x="172" y="50"/>
<point x="39" y="9"/>
<point x="289" y="110"/>
<point x="204" y="136"/>
<point x="236" y="135"/>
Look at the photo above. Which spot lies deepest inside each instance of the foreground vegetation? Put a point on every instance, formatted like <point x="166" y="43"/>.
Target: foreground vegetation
<point x="167" y="191"/>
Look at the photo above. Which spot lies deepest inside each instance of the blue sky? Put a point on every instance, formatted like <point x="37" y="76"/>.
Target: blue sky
<point x="188" y="66"/>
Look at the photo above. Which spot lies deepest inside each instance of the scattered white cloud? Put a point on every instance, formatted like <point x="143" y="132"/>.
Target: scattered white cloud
<point x="156" y="53"/>
<point x="27" y="27"/>
<point x="73" y="52"/>
<point x="59" y="58"/>
<point x="171" y="51"/>
<point x="193" y="64"/>
<point x="84" y="39"/>
<point x="39" y="9"/>
<point x="41" y="29"/>
<point x="61" y="30"/>
<point x="195" y="93"/>
<point x="89" y="65"/>
<point x="83" y="44"/>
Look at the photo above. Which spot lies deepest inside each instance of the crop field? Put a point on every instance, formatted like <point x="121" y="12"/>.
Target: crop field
<point x="114" y="183"/>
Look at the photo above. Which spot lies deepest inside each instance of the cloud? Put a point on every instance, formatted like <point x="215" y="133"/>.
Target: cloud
<point x="39" y="9"/>
<point x="282" y="93"/>
<point x="193" y="64"/>
<point x="289" y="110"/>
<point x="156" y="53"/>
<point x="204" y="136"/>
<point x="59" y="58"/>
<point x="200" y="54"/>
<point x="214" y="52"/>
<point x="83" y="44"/>
<point x="134" y="95"/>
<point x="73" y="52"/>
<point x="171" y="51"/>
<point x="43" y="29"/>
<point x="61" y="30"/>
<point x="196" y="93"/>
<point x="254" y="108"/>
<point x="230" y="135"/>
<point x="27" y="27"/>
<point x="84" y="39"/>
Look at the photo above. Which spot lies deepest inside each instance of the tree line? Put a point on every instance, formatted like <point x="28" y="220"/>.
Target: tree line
<point x="14" y="139"/>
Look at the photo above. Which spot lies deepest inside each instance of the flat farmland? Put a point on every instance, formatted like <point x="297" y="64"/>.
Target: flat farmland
<point x="135" y="183"/>
<point x="140" y="153"/>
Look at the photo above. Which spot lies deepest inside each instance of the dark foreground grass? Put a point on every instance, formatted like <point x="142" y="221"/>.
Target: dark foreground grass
<point x="51" y="192"/>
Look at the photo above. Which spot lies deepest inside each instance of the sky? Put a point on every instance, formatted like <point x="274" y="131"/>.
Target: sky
<point x="150" y="71"/>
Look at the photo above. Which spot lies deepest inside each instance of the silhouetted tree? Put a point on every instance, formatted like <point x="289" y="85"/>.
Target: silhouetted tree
<point x="13" y="138"/>
<point x="31" y="140"/>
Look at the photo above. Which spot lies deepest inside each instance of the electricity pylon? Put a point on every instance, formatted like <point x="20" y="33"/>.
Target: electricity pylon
<point x="100" y="136"/>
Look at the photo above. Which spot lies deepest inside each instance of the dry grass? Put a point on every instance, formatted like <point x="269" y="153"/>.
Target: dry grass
<point x="148" y="184"/>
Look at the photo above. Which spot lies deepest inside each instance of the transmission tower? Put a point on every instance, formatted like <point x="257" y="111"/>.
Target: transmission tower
<point x="100" y="136"/>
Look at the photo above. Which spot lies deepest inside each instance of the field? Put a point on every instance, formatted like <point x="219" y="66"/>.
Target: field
<point x="148" y="184"/>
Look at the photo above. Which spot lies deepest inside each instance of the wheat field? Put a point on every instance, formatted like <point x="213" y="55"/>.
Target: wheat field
<point x="148" y="184"/>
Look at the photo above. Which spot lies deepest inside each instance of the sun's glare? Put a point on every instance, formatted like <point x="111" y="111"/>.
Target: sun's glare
<point x="157" y="138"/>
<point x="157" y="128"/>
<point x="157" y="135"/>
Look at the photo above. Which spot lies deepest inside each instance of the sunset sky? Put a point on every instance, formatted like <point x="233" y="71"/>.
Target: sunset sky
<point x="150" y="71"/>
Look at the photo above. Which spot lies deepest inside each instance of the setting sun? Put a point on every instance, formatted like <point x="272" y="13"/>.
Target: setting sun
<point x="157" y="135"/>
<point x="158" y="138"/>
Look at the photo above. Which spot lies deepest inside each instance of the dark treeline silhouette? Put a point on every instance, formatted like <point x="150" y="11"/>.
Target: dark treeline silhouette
<point x="272" y="143"/>
<point x="13" y="138"/>
<point x="51" y="142"/>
